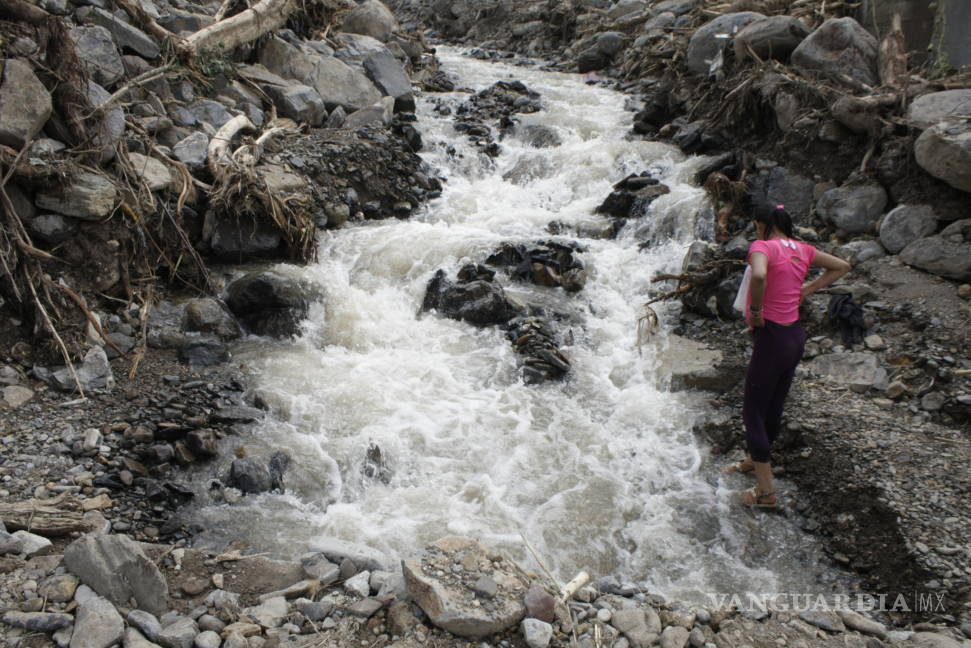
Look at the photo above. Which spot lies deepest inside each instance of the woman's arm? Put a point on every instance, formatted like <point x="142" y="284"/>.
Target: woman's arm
<point x="835" y="268"/>
<point x="756" y="288"/>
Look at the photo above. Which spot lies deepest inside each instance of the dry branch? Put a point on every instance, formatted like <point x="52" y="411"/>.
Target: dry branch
<point x="218" y="154"/>
<point x="59" y="516"/>
<point x="244" y="27"/>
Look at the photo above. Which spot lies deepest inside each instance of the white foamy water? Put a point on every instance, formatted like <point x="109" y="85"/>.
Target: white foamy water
<point x="600" y="472"/>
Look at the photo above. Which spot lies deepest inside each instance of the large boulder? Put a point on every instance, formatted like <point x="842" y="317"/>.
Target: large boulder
<point x="478" y="302"/>
<point x="87" y="195"/>
<point x="152" y="172"/>
<point x="371" y="18"/>
<point x="926" y="110"/>
<point x="25" y="104"/>
<point x="111" y="127"/>
<point x="944" y="151"/>
<point x="706" y="42"/>
<point x="299" y="102"/>
<point x="245" y="238"/>
<point x="94" y="373"/>
<point x="853" y="209"/>
<point x="116" y="567"/>
<point x="389" y="77"/>
<point x="268" y="303"/>
<point x="443" y="582"/>
<point x="97" y="624"/>
<point x="905" y="224"/>
<point x="839" y="48"/>
<point x="97" y="51"/>
<point x="782" y="186"/>
<point x="774" y="37"/>
<point x="860" y="371"/>
<point x="948" y="254"/>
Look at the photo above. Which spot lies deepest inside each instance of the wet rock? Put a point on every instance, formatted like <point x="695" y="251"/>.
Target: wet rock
<point x="536" y="633"/>
<point x="25" y="104"/>
<point x="379" y="115"/>
<point x="947" y="255"/>
<point x="97" y="51"/>
<point x="362" y="556"/>
<point x="478" y="302"/>
<point x="386" y="73"/>
<point x="539" y="136"/>
<point x="640" y="626"/>
<point x="299" y="102"/>
<point x="371" y="18"/>
<point x="774" y="37"/>
<point x="705" y="44"/>
<point x="853" y="209"/>
<point x="193" y="150"/>
<point x="443" y="595"/>
<point x="97" y="625"/>
<point x="245" y="238"/>
<point x="250" y="475"/>
<point x="944" y="151"/>
<point x="208" y="315"/>
<point x="88" y="196"/>
<point x="117" y="568"/>
<point x="268" y="303"/>
<point x="124" y="34"/>
<point x="860" y="370"/>
<point x="151" y="171"/>
<point x="692" y="365"/>
<point x="203" y="352"/>
<point x="839" y="48"/>
<point x="52" y="228"/>
<point x="929" y="109"/>
<point x="905" y="224"/>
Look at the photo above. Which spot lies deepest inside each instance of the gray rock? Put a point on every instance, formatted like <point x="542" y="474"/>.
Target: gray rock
<point x="151" y="171"/>
<point x="87" y="195"/>
<point x="245" y="238"/>
<point x="824" y="619"/>
<point x="178" y="634"/>
<point x="365" y="608"/>
<point x="146" y="622"/>
<point x="268" y="614"/>
<point x="839" y="48"/>
<point x="52" y="228"/>
<point x="859" y="251"/>
<point x="386" y="73"/>
<point x="693" y="365"/>
<point x="359" y="584"/>
<point x="674" y="637"/>
<point x="32" y="544"/>
<point x="485" y="587"/>
<point x="97" y="625"/>
<point x="250" y="475"/>
<point x="705" y="44"/>
<point x="10" y="544"/>
<point x="125" y="35"/>
<point x="536" y="633"/>
<point x="46" y="622"/>
<point x="354" y="48"/>
<point x="445" y="601"/>
<point x="853" y="209"/>
<point x="58" y="588"/>
<point x="298" y="102"/>
<point x="860" y="623"/>
<point x="97" y="51"/>
<point x="209" y="623"/>
<point x="208" y="315"/>
<point x="773" y="37"/>
<point x="207" y="639"/>
<point x="25" y="104"/>
<point x="182" y="21"/>
<point x="859" y="370"/>
<point x="94" y="373"/>
<point x="640" y="626"/>
<point x="314" y="610"/>
<point x="781" y="186"/>
<point x="193" y="150"/>
<point x="46" y="146"/>
<point x="203" y="352"/>
<point x="112" y="125"/>
<point x="371" y="18"/>
<point x="134" y="639"/>
<point x="947" y="254"/>
<point x="539" y="136"/>
<point x="905" y="224"/>
<point x="268" y="303"/>
<point x="117" y="568"/>
<point x="932" y="640"/>
<point x="944" y="151"/>
<point x="209" y="111"/>
<point x="929" y="109"/>
<point x="15" y="396"/>
<point x="318" y="567"/>
<point x="625" y="7"/>
<point x="378" y="115"/>
<point x="337" y="550"/>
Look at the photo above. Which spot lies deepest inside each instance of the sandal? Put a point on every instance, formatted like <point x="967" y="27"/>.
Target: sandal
<point x="755" y="499"/>
<point x="741" y="468"/>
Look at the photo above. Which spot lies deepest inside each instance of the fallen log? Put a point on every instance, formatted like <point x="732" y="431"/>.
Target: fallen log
<point x="59" y="516"/>
<point x="244" y="27"/>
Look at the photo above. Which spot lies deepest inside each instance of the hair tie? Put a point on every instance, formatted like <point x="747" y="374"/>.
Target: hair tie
<point x="780" y="206"/>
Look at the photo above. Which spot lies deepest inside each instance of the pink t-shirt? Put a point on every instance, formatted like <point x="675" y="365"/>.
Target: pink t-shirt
<point x="789" y="262"/>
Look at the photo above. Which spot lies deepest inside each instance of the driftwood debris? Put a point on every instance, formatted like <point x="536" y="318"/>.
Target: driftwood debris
<point x="54" y="517"/>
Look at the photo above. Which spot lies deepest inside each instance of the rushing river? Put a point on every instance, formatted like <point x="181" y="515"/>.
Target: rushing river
<point x="599" y="472"/>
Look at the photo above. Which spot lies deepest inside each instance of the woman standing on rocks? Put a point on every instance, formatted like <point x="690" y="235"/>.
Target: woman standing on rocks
<point x="779" y="265"/>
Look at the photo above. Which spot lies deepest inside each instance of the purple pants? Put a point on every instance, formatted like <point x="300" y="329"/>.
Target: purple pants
<point x="776" y="351"/>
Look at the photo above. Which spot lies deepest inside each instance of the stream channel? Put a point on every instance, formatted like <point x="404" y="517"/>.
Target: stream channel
<point x="600" y="472"/>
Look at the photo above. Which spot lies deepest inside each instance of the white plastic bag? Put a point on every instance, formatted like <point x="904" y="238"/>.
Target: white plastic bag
<point x="741" y="299"/>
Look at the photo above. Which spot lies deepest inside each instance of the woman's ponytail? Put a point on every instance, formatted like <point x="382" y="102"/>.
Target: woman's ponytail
<point x="783" y="221"/>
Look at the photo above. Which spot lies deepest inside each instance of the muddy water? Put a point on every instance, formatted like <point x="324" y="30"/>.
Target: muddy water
<point x="600" y="472"/>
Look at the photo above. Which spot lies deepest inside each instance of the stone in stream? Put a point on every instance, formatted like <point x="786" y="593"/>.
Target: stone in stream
<point x="117" y="568"/>
<point x="25" y="104"/>
<point x="268" y="303"/>
<point x="443" y="593"/>
<point x="478" y="302"/>
<point x="97" y="624"/>
<point x="386" y="73"/>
